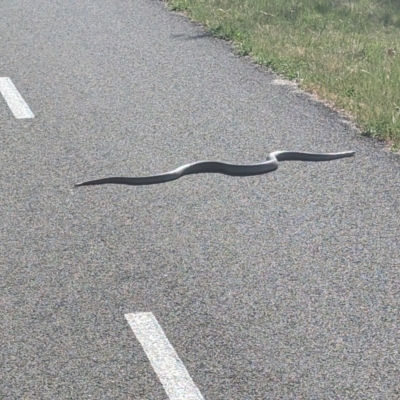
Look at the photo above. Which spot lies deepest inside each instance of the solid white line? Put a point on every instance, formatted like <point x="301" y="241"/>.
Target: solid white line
<point x="14" y="100"/>
<point x="170" y="370"/>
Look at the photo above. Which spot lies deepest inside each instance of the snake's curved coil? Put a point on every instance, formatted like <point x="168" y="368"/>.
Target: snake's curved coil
<point x="222" y="168"/>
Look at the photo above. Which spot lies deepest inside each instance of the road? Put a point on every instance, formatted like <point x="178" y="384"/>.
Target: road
<point x="279" y="286"/>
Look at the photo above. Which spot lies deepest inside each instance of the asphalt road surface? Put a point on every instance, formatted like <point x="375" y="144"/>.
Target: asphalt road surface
<point x="279" y="286"/>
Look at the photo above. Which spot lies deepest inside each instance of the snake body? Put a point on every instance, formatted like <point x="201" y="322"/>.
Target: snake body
<point x="271" y="164"/>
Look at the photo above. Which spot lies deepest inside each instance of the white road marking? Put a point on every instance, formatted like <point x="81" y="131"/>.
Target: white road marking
<point x="170" y="370"/>
<point x="14" y="100"/>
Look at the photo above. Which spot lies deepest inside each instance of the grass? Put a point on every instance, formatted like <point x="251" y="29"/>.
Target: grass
<point x="345" y="51"/>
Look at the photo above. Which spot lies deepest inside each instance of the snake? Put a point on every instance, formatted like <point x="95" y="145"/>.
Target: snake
<point x="199" y="167"/>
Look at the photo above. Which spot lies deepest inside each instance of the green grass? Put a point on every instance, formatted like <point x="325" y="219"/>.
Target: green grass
<point x="346" y="52"/>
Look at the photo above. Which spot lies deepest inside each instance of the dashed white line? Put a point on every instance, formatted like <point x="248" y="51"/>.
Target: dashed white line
<point x="170" y="370"/>
<point x="14" y="100"/>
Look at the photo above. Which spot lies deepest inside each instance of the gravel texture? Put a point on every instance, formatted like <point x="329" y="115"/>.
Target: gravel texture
<point x="281" y="286"/>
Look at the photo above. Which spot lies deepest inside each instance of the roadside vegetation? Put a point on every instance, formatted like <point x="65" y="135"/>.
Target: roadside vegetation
<point x="345" y="51"/>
